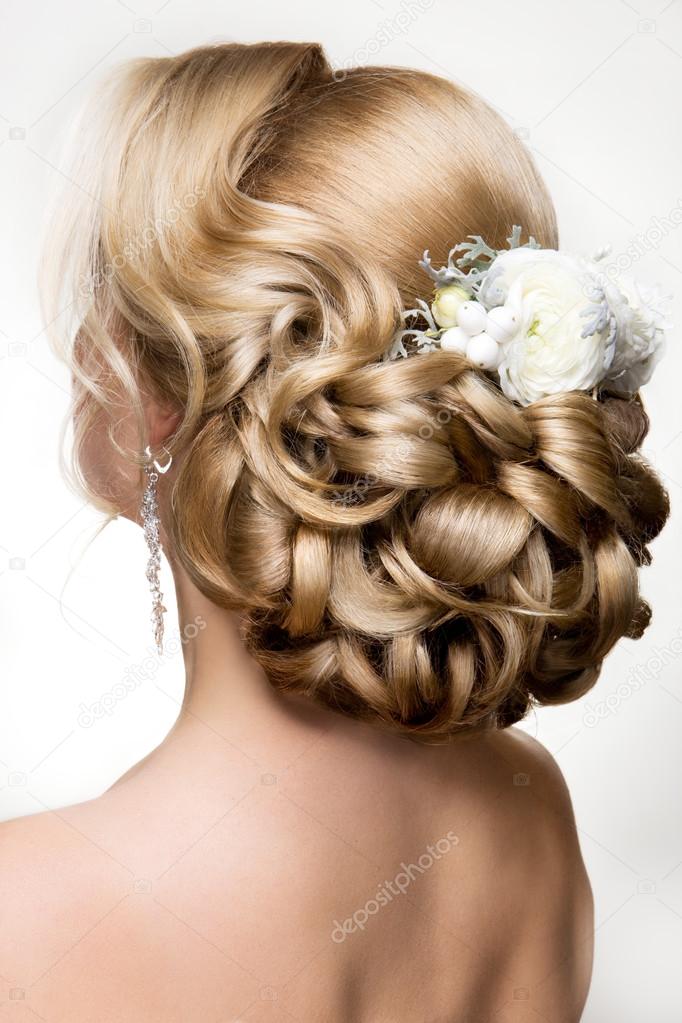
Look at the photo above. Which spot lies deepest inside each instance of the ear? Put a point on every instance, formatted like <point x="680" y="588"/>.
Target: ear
<point x="162" y="419"/>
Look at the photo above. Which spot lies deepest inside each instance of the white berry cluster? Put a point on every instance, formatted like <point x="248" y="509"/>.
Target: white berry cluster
<point x="472" y="329"/>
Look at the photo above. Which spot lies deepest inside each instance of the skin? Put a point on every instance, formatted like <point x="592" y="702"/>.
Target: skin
<point x="212" y="881"/>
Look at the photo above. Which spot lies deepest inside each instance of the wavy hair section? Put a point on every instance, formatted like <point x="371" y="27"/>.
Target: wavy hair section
<point x="407" y="545"/>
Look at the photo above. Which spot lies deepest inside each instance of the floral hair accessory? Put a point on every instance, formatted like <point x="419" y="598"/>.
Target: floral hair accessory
<point x="540" y="320"/>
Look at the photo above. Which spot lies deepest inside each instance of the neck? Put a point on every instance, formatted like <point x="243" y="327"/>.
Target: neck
<point x="224" y="683"/>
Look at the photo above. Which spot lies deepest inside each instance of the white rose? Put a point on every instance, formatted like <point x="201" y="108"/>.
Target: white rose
<point x="641" y="315"/>
<point x="547" y="355"/>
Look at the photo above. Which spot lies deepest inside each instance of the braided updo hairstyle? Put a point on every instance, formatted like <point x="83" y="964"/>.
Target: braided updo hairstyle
<point x="406" y="544"/>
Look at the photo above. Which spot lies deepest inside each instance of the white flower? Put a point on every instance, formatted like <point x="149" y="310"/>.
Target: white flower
<point x="446" y="304"/>
<point x="642" y="316"/>
<point x="546" y="320"/>
<point x="547" y="355"/>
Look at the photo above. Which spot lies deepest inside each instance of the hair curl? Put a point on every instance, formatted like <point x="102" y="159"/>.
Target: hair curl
<point x="407" y="545"/>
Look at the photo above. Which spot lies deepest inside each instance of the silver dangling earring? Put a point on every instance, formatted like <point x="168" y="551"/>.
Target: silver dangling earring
<point x="150" y="523"/>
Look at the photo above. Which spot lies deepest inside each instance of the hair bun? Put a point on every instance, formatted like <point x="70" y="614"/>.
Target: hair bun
<point x="405" y="542"/>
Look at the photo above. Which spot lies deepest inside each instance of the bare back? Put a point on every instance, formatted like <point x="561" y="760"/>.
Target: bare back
<point x="336" y="875"/>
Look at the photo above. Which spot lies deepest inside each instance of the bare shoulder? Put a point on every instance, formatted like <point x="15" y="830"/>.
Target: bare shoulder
<point x="84" y="937"/>
<point x="532" y="766"/>
<point x="534" y="810"/>
<point x="548" y="913"/>
<point x="55" y="884"/>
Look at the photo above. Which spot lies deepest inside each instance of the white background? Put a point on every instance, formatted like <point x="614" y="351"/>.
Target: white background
<point x="594" y="89"/>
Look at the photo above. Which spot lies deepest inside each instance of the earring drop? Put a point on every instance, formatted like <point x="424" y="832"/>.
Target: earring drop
<point x="150" y="523"/>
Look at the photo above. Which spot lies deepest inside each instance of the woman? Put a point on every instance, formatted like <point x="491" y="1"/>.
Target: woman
<point x="381" y="562"/>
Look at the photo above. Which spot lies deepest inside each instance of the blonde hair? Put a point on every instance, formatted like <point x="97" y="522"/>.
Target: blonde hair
<point x="407" y="545"/>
